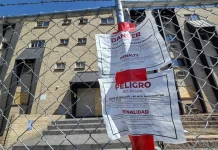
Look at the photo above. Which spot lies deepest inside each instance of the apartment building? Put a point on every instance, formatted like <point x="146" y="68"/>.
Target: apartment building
<point x="49" y="62"/>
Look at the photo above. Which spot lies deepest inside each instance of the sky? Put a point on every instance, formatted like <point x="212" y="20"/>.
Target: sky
<point x="45" y="8"/>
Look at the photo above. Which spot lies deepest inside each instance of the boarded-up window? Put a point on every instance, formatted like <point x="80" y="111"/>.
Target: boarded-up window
<point x="21" y="98"/>
<point x="187" y="92"/>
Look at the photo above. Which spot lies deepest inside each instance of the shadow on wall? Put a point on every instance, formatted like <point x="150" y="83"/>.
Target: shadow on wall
<point x="5" y="61"/>
<point x="65" y="106"/>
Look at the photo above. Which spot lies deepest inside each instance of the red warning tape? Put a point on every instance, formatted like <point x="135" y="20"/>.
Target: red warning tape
<point x="143" y="142"/>
<point x="131" y="75"/>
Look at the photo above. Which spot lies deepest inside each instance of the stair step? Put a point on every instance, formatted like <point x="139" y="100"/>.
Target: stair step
<point x="118" y="146"/>
<point x="199" y="122"/>
<point x="197" y="132"/>
<point x="76" y="126"/>
<point x="202" y="137"/>
<point x="85" y="142"/>
<point x="199" y="119"/>
<point x="75" y="131"/>
<point x="200" y="126"/>
<point x="79" y="121"/>
<point x="201" y="145"/>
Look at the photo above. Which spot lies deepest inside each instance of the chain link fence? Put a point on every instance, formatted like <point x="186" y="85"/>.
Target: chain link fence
<point x="49" y="91"/>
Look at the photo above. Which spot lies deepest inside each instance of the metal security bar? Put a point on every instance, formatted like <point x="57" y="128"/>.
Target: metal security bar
<point x="49" y="90"/>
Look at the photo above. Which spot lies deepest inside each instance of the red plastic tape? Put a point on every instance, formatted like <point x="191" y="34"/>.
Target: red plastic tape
<point x="131" y="75"/>
<point x="143" y="142"/>
<point x="125" y="26"/>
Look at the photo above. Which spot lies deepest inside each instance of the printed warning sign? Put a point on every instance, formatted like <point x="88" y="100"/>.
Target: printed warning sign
<point x="143" y="48"/>
<point x="143" y="107"/>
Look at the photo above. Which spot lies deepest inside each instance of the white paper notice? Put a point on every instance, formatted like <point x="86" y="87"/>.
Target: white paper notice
<point x="143" y="107"/>
<point x="143" y="48"/>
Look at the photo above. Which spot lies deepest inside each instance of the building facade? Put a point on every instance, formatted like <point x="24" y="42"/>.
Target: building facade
<point x="49" y="62"/>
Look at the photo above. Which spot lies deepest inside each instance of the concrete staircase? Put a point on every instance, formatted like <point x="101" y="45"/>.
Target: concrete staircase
<point x="90" y="134"/>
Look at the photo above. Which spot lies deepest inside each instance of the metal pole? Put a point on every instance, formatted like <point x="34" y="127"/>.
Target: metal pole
<point x="119" y="11"/>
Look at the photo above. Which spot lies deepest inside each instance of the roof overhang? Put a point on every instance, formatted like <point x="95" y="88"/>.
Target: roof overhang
<point x="31" y="53"/>
<point x="85" y="80"/>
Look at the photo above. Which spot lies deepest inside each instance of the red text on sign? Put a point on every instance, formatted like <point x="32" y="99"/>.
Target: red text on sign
<point x="125" y="35"/>
<point x="133" y="85"/>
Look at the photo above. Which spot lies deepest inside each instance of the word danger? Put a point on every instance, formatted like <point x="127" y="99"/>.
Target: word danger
<point x="125" y="35"/>
<point x="133" y="85"/>
<point x="128" y="55"/>
<point x="135" y="111"/>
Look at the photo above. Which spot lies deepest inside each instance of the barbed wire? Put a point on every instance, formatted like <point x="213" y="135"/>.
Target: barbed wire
<point x="55" y="65"/>
<point x="45" y="2"/>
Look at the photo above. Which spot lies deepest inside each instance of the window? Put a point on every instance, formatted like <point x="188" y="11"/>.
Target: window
<point x="204" y="36"/>
<point x="166" y="18"/>
<point x="83" y="21"/>
<point x="80" y="65"/>
<point x="107" y="20"/>
<point x="37" y="43"/>
<point x="60" y="66"/>
<point x="43" y="24"/>
<point x="192" y="17"/>
<point x="82" y="40"/>
<point x="167" y="25"/>
<point x="64" y="41"/>
<point x="213" y="61"/>
<point x="179" y="62"/>
<point x="181" y="74"/>
<point x="66" y="22"/>
<point x="28" y="68"/>
<point x="137" y="16"/>
<point x="173" y="46"/>
<point x="171" y="38"/>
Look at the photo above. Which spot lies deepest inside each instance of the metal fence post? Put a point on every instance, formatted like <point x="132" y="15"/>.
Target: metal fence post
<point x="119" y="11"/>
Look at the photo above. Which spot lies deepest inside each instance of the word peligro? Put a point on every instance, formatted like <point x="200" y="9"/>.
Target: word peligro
<point x="133" y="85"/>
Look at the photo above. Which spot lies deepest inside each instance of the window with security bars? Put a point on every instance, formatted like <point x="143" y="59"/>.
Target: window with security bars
<point x="82" y="41"/>
<point x="37" y="43"/>
<point x="107" y="21"/>
<point x="42" y="24"/>
<point x="64" y="41"/>
<point x="83" y="21"/>
<point x="66" y="22"/>
<point x="80" y="65"/>
<point x="60" y="66"/>
<point x="191" y="17"/>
